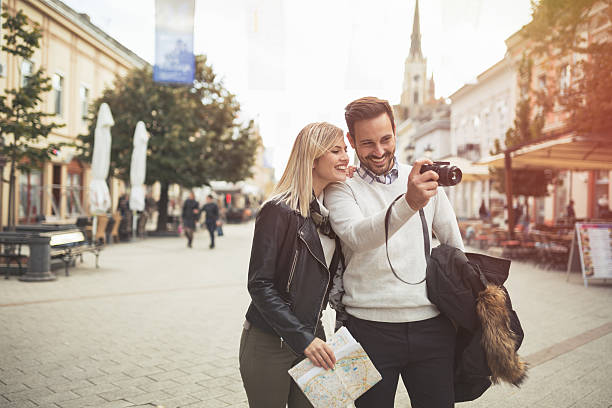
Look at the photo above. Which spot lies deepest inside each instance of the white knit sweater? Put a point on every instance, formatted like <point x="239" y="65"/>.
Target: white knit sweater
<point x="357" y="214"/>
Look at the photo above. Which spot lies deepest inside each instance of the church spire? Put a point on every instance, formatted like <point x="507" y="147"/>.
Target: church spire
<point x="415" y="45"/>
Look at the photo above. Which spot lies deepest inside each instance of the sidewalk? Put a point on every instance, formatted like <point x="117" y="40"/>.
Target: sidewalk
<point x="159" y="325"/>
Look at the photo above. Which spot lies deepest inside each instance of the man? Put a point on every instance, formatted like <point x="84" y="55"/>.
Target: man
<point x="212" y="216"/>
<point x="570" y="212"/>
<point x="400" y="329"/>
<point x="190" y="216"/>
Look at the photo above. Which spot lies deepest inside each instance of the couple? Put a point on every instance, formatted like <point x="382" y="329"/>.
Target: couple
<point x="316" y="216"/>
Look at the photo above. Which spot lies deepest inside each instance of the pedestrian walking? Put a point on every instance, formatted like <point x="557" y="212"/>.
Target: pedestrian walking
<point x="403" y="333"/>
<point x="293" y="252"/>
<point x="190" y="216"/>
<point x="212" y="216"/>
<point x="222" y="217"/>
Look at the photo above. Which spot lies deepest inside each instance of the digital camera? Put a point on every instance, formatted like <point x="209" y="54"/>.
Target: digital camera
<point x="449" y="175"/>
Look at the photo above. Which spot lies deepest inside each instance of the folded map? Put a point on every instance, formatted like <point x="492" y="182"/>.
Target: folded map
<point x="353" y="374"/>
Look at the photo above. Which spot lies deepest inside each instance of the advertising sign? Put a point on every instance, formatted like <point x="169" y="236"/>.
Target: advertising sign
<point x="595" y="245"/>
<point x="174" y="59"/>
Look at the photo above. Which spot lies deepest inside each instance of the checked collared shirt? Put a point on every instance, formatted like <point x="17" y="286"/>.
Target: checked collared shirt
<point x="387" y="178"/>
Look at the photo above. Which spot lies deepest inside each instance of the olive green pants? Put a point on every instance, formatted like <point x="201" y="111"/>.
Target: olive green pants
<point x="263" y="367"/>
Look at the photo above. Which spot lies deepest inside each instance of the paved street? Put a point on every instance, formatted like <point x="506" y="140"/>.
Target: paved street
<point x="159" y="324"/>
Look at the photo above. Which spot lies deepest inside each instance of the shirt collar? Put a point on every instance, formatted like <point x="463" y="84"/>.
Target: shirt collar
<point x="387" y="178"/>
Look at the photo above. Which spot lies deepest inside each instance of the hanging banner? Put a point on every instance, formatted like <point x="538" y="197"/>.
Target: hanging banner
<point x="174" y="59"/>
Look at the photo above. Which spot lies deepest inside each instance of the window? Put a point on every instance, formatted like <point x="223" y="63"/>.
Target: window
<point x="416" y="79"/>
<point x="26" y="70"/>
<point x="84" y="99"/>
<point x="542" y="82"/>
<point x="30" y="196"/>
<point x="416" y="97"/>
<point x="565" y="78"/>
<point x="74" y="190"/>
<point x="57" y="82"/>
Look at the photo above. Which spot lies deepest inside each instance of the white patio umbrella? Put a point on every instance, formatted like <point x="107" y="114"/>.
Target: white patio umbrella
<point x="138" y="168"/>
<point x="99" y="196"/>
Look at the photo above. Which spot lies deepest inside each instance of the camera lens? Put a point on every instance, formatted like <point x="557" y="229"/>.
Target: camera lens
<point x="454" y="175"/>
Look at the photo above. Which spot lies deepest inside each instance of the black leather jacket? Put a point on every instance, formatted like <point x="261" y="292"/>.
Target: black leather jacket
<point x="288" y="277"/>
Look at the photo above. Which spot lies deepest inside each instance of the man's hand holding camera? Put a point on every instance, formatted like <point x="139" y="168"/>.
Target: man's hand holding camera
<point x="424" y="175"/>
<point x="421" y="187"/>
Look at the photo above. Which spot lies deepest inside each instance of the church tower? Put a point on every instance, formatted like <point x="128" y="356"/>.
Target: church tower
<point x="416" y="90"/>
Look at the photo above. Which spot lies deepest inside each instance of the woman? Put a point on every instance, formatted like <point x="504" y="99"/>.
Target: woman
<point x="190" y="215"/>
<point x="289" y="273"/>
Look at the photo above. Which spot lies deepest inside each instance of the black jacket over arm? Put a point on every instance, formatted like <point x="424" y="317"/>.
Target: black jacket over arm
<point x="468" y="289"/>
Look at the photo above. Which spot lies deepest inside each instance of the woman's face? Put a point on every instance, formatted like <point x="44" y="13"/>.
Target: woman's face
<point x="331" y="167"/>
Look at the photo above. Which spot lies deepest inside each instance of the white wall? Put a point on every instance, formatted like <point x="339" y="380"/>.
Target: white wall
<point x="484" y="111"/>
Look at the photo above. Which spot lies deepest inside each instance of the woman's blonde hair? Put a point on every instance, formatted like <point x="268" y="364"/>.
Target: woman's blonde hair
<point x="295" y="185"/>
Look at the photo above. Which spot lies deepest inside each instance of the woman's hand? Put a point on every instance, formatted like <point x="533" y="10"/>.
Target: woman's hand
<point x="320" y="354"/>
<point x="350" y="170"/>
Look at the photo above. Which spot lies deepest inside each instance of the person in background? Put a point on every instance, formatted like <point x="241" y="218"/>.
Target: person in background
<point x="190" y="216"/>
<point x="483" y="212"/>
<point x="222" y="217"/>
<point x="125" y="225"/>
<point x="602" y="207"/>
<point x="570" y="213"/>
<point x="212" y="216"/>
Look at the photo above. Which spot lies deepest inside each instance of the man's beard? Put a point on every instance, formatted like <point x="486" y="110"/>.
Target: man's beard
<point x="389" y="160"/>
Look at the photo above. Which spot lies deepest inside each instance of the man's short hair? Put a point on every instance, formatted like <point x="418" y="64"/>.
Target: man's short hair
<point x="368" y="107"/>
<point x="210" y="196"/>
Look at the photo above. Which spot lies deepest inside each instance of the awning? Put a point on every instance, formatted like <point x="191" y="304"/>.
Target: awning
<point x="563" y="153"/>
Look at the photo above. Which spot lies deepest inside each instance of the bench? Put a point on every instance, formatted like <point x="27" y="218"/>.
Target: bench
<point x="11" y="243"/>
<point x="69" y="244"/>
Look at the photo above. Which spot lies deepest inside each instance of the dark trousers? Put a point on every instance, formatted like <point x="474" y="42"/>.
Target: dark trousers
<point x="189" y="235"/>
<point x="421" y="352"/>
<point x="263" y="366"/>
<point x="211" y="226"/>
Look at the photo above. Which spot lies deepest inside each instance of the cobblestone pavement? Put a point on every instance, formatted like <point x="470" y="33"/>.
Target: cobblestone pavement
<point x="159" y="324"/>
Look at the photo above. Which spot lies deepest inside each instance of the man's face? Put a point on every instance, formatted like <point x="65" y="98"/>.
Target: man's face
<point x="374" y="143"/>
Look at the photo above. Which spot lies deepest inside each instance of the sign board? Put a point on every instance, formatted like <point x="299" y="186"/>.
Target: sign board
<point x="174" y="59"/>
<point x="595" y="248"/>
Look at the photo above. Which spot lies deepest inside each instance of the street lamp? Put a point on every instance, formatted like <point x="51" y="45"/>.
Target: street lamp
<point x="428" y="151"/>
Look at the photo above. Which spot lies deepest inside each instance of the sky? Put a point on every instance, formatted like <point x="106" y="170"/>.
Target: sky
<point x="294" y="62"/>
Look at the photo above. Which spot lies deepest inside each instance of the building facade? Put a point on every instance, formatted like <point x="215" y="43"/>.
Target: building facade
<point x="552" y="74"/>
<point x="81" y="61"/>
<point x="481" y="112"/>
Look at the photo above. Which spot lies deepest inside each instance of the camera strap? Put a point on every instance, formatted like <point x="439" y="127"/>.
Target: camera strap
<point x="425" y="240"/>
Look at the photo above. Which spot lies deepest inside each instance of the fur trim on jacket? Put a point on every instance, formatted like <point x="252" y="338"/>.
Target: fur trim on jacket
<point x="498" y="339"/>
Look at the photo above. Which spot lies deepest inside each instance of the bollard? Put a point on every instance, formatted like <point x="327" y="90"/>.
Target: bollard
<point x="39" y="262"/>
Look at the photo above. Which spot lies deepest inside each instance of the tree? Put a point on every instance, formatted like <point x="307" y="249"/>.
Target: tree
<point x="195" y="134"/>
<point x="578" y="32"/>
<point x="23" y="127"/>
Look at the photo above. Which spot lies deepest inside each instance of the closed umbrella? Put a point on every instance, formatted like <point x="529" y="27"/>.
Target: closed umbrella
<point x="99" y="196"/>
<point x="138" y="168"/>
